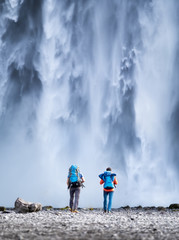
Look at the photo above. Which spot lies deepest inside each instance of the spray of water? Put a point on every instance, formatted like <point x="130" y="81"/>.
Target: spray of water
<point x="90" y="83"/>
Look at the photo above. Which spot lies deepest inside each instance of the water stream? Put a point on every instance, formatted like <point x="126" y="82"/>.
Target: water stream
<point x="93" y="83"/>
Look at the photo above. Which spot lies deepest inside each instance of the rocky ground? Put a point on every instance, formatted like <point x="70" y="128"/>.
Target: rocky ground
<point x="122" y="223"/>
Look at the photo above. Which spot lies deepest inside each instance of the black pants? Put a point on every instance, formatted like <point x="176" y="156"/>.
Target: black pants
<point x="74" y="192"/>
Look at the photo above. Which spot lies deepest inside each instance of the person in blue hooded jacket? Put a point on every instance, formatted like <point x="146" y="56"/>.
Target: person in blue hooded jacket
<point x="109" y="180"/>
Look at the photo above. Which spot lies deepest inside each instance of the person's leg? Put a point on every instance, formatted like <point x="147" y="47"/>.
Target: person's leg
<point x="105" y="201"/>
<point x="110" y="201"/>
<point x="77" y="196"/>
<point x="72" y="191"/>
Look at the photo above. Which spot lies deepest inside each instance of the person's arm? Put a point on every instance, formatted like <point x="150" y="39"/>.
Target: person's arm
<point x="101" y="181"/>
<point x="82" y="180"/>
<point x="67" y="181"/>
<point x="115" y="181"/>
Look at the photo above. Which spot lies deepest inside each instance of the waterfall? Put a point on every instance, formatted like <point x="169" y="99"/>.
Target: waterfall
<point x="92" y="83"/>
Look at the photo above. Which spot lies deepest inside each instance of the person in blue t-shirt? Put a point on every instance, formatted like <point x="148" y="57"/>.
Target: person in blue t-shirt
<point x="74" y="182"/>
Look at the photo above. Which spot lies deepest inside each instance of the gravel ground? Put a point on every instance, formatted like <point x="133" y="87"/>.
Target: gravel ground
<point x="124" y="224"/>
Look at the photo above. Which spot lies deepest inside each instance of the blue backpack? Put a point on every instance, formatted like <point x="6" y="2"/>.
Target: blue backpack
<point x="108" y="179"/>
<point x="74" y="176"/>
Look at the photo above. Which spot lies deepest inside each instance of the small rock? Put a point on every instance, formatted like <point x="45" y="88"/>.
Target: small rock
<point x="149" y="208"/>
<point x="65" y="208"/>
<point x="35" y="207"/>
<point x="161" y="208"/>
<point x="91" y="209"/>
<point x="139" y="207"/>
<point x="126" y="207"/>
<point x="8" y="211"/>
<point x="47" y="207"/>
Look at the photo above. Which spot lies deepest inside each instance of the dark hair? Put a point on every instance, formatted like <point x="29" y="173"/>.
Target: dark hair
<point x="108" y="169"/>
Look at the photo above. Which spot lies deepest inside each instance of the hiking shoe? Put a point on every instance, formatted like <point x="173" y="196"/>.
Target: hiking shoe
<point x="75" y="211"/>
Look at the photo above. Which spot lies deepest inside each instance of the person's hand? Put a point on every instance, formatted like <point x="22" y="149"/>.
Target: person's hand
<point x="82" y="180"/>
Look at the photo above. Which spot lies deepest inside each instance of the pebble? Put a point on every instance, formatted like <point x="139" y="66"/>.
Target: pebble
<point x="91" y="224"/>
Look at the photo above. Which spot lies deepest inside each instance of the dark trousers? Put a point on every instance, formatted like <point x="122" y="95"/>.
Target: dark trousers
<point x="74" y="192"/>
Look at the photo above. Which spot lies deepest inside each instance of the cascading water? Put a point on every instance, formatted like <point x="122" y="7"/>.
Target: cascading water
<point x="92" y="83"/>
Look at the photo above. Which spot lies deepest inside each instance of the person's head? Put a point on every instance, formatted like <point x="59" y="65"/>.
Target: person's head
<point x="108" y="169"/>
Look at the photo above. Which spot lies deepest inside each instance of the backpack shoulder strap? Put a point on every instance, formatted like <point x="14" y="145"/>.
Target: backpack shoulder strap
<point x="78" y="173"/>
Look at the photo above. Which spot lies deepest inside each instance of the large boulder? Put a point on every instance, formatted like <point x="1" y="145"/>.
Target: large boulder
<point x="22" y="206"/>
<point x="174" y="206"/>
<point x="2" y="208"/>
